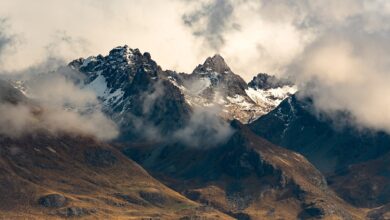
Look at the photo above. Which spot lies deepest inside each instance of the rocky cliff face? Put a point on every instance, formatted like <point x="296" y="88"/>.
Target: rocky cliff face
<point x="212" y="83"/>
<point x="347" y="155"/>
<point x="134" y="92"/>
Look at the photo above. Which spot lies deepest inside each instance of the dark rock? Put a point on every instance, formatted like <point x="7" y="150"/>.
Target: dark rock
<point x="215" y="63"/>
<point x="74" y="212"/>
<point x="240" y="216"/>
<point x="192" y="194"/>
<point x="154" y="198"/>
<point x="52" y="201"/>
<point x="149" y="100"/>
<point x="192" y="217"/>
<point x="130" y="199"/>
<point x="264" y="81"/>
<point x="221" y="77"/>
<point x="311" y="211"/>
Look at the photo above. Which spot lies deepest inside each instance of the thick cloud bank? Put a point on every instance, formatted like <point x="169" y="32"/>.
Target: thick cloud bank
<point x="336" y="50"/>
<point x="347" y="66"/>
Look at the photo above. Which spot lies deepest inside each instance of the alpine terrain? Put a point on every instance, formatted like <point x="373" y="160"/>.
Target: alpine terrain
<point x="200" y="145"/>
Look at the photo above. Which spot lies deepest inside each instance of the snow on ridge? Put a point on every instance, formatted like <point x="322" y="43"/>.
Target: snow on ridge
<point x="20" y="85"/>
<point x="87" y="61"/>
<point x="99" y="86"/>
<point x="244" y="108"/>
<point x="271" y="96"/>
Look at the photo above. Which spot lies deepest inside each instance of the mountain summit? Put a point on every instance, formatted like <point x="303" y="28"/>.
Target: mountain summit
<point x="213" y="64"/>
<point x="113" y="77"/>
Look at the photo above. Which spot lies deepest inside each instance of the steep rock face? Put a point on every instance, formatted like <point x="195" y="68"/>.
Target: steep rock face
<point x="134" y="92"/>
<point x="294" y="124"/>
<point x="214" y="83"/>
<point x="245" y="177"/>
<point x="220" y="76"/>
<point x="336" y="150"/>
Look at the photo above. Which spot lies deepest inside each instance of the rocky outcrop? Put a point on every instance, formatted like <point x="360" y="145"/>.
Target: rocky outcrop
<point x="71" y="212"/>
<point x="53" y="201"/>
<point x="265" y="82"/>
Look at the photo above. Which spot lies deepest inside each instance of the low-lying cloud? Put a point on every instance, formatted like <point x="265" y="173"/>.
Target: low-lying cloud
<point x="56" y="105"/>
<point x="337" y="51"/>
<point x="19" y="120"/>
<point x="349" y="74"/>
<point x="54" y="102"/>
<point x="346" y="67"/>
<point x="205" y="128"/>
<point x="202" y="129"/>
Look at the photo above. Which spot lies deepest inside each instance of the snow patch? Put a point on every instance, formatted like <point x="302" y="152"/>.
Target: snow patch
<point x="271" y="97"/>
<point x="87" y="61"/>
<point x="98" y="85"/>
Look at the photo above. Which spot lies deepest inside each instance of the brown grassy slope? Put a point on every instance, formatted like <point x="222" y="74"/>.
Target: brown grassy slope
<point x="97" y="181"/>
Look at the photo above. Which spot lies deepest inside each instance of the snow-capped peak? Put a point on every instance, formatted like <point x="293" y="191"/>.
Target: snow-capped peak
<point x="115" y="76"/>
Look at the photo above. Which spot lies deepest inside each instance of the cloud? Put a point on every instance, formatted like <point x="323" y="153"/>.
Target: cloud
<point x="235" y="29"/>
<point x="63" y="45"/>
<point x="6" y="40"/>
<point x="15" y="120"/>
<point x="211" y="20"/>
<point x="335" y="45"/>
<point x="336" y="50"/>
<point x="18" y="120"/>
<point x="56" y="105"/>
<point x="346" y="67"/>
<point x="204" y="129"/>
<point x="95" y="27"/>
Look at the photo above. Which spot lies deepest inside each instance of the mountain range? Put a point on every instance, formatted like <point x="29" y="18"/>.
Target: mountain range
<point x="200" y="145"/>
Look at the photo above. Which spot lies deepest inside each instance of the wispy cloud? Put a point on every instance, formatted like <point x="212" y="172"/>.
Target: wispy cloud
<point x="211" y="21"/>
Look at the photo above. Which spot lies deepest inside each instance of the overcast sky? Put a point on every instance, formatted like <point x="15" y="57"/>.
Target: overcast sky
<point x="338" y="47"/>
<point x="252" y="36"/>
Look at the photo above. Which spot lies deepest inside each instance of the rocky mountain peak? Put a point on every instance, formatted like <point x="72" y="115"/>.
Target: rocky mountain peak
<point x="122" y="50"/>
<point x="265" y="81"/>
